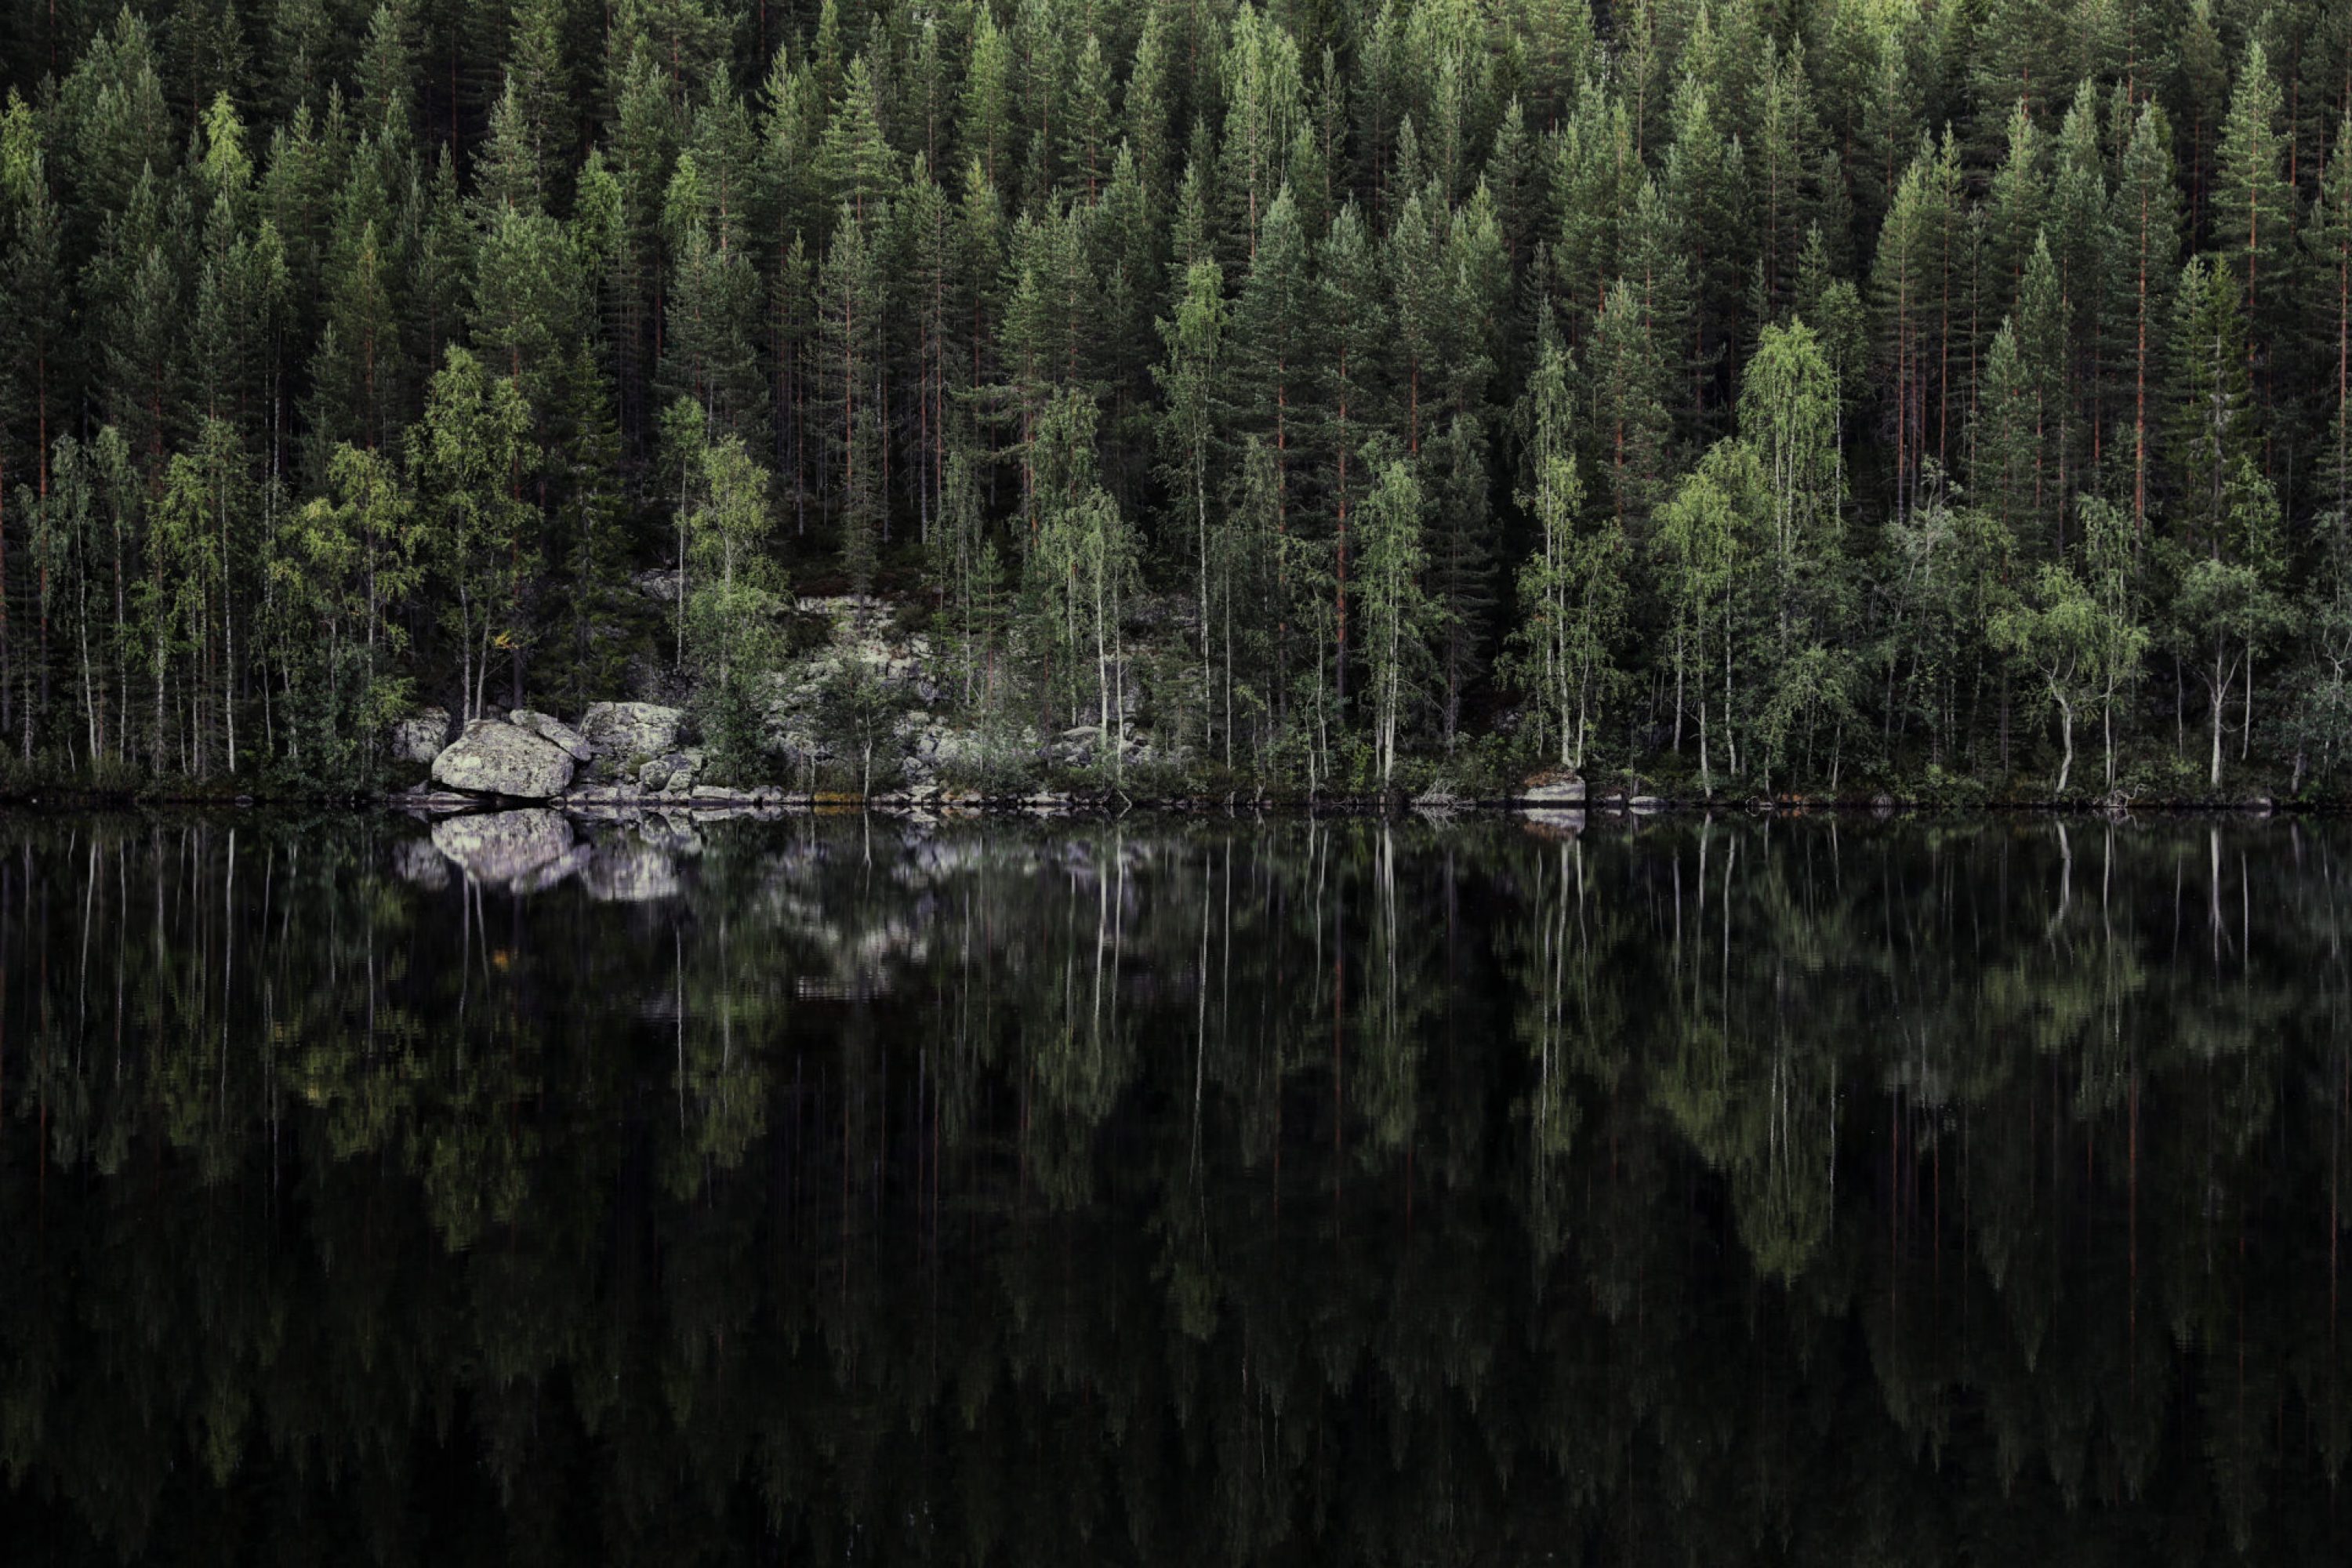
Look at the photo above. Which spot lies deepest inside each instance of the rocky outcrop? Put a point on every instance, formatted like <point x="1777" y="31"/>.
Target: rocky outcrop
<point x="1553" y="787"/>
<point x="501" y="759"/>
<point x="507" y="848"/>
<point x="659" y="585"/>
<point x="672" y="774"/>
<point x="549" y="728"/>
<point x="621" y="732"/>
<point x="420" y="737"/>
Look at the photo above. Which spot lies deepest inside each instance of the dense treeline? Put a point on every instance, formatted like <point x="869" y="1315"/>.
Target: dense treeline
<point x="1771" y="393"/>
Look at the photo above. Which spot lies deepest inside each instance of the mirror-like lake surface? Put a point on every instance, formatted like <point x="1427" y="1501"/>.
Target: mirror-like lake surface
<point x="1811" y="1191"/>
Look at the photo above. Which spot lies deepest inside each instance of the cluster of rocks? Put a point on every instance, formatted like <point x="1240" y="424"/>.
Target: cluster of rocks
<point x="623" y="747"/>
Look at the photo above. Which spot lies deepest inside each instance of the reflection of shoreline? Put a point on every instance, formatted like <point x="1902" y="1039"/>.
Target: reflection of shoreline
<point x="1789" y="1158"/>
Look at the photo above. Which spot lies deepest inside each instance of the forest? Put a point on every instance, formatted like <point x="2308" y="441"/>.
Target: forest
<point x="1947" y="397"/>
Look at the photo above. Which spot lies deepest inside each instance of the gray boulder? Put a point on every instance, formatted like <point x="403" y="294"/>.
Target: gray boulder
<point x="506" y="847"/>
<point x="548" y="726"/>
<point x="420" y="737"/>
<point x="617" y="731"/>
<point x="1553" y="787"/>
<point x="496" y="758"/>
<point x="661" y="587"/>
<point x="672" y="774"/>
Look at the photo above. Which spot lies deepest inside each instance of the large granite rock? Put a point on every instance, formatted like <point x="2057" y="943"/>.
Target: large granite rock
<point x="496" y="758"/>
<point x="420" y="737"/>
<point x="506" y="847"/>
<point x="549" y="728"/>
<point x="672" y="774"/>
<point x="1554" y="788"/>
<point x="618" y="731"/>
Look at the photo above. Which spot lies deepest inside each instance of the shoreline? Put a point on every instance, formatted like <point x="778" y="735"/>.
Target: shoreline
<point x="716" y="801"/>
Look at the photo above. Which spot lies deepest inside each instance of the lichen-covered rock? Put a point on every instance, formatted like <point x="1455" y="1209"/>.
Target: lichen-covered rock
<point x="548" y="726"/>
<point x="420" y="737"/>
<point x="659" y="585"/>
<point x="619" y="732"/>
<point x="672" y="774"/>
<point x="493" y="757"/>
<point x="1553" y="787"/>
<point x="504" y="846"/>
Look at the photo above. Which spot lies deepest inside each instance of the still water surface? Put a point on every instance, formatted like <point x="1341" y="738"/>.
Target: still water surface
<point x="1810" y="1192"/>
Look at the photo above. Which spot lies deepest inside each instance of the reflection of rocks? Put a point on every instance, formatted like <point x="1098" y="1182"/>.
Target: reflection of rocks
<point x="420" y="737"/>
<point x="672" y="833"/>
<point x="496" y="758"/>
<point x="506" y="847"/>
<point x="420" y="860"/>
<point x="555" y="731"/>
<point x="1553" y="823"/>
<point x="626" y="868"/>
<point x="546" y="874"/>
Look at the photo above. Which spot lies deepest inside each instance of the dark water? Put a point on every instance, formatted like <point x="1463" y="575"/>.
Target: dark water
<point x="1813" y="1192"/>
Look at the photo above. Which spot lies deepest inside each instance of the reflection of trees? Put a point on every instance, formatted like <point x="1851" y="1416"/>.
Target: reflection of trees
<point x="1337" y="1191"/>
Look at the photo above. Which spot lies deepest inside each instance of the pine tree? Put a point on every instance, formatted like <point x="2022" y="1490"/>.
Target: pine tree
<point x="1785" y="167"/>
<point x="2082" y="249"/>
<point x="2006" y="443"/>
<point x="1559" y="47"/>
<point x="1265" y="108"/>
<point x="859" y="169"/>
<point x="1424" y="301"/>
<point x="2017" y="206"/>
<point x="2042" y="353"/>
<point x="1356" y="338"/>
<point x="985" y="117"/>
<point x="539" y="78"/>
<point x="712" y="340"/>
<point x="1189" y="381"/>
<point x="1904" y="292"/>
<point x="1705" y="184"/>
<point x="1590" y="175"/>
<point x="1626" y="375"/>
<point x="2210" y="399"/>
<point x="2253" y="212"/>
<point x="1085" y="125"/>
<point x="2147" y="220"/>
<point x="31" y="273"/>
<point x="849" y="370"/>
<point x="2329" y="239"/>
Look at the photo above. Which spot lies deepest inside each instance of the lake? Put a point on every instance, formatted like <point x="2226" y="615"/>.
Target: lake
<point x="1821" y="1190"/>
